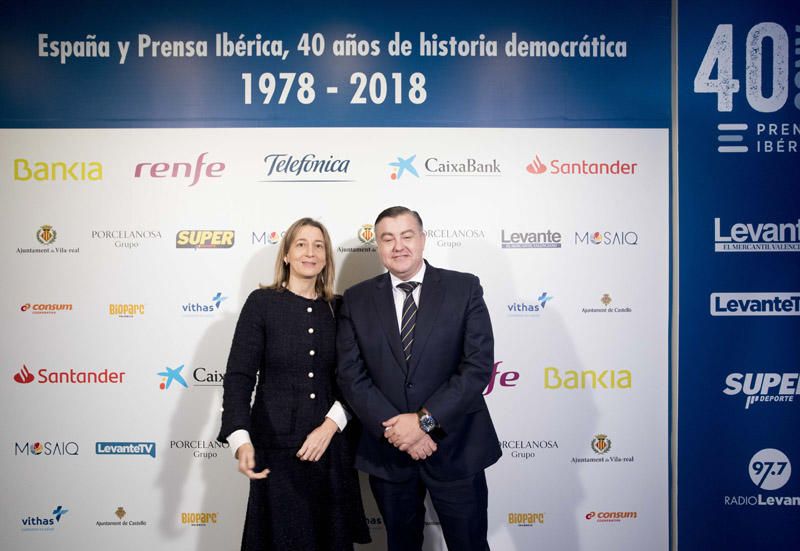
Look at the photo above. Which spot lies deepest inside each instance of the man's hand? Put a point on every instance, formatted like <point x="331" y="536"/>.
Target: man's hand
<point x="317" y="441"/>
<point x="422" y="449"/>
<point x="247" y="462"/>
<point x="403" y="430"/>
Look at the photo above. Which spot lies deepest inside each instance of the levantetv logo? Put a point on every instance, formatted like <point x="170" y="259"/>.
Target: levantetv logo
<point x="759" y="237"/>
<point x="755" y="304"/>
<point x="46" y="523"/>
<point x="282" y="167"/>
<point x="125" y="448"/>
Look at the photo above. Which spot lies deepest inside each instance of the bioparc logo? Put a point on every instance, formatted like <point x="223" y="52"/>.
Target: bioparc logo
<point x="186" y="171"/>
<point x="46" y="448"/>
<point x="547" y="239"/>
<point x="769" y="470"/>
<point x="605" y="301"/>
<point x="366" y="235"/>
<point x="306" y="167"/>
<point x="526" y="449"/>
<point x="204" y="309"/>
<point x="199" y="519"/>
<point x="47" y="235"/>
<point x="24" y="376"/>
<point x="205" y="239"/>
<point x="611" y="516"/>
<point x="438" y="166"/>
<point x="755" y="304"/>
<point x="533" y="309"/>
<point x="582" y="167"/>
<point x="601" y="445"/>
<point x="524" y="520"/>
<point x="125" y="448"/>
<point x="763" y="388"/>
<point x="126" y="310"/>
<point x="49" y="309"/>
<point x="768" y="237"/>
<point x="45" y="523"/>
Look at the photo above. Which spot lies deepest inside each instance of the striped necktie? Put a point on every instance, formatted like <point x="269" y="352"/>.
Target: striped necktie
<point x="409" y="319"/>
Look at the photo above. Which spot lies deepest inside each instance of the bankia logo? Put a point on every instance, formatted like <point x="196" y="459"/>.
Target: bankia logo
<point x="205" y="308"/>
<point x="49" y="309"/>
<point x="401" y="166"/>
<point x="547" y="239"/>
<point x="125" y="448"/>
<point x="205" y="239"/>
<point x="619" y="238"/>
<point x="44" y="523"/>
<point x="306" y="167"/>
<point x="770" y="469"/>
<point x="47" y="235"/>
<point x="753" y="237"/>
<point x="601" y="445"/>
<point x="27" y="170"/>
<point x="763" y="388"/>
<point x="527" y="448"/>
<point x="525" y="308"/>
<point x="46" y="448"/>
<point x="755" y="304"/>
<point x="571" y="379"/>
<point x="582" y="167"/>
<point x="190" y="172"/>
<point x="106" y="376"/>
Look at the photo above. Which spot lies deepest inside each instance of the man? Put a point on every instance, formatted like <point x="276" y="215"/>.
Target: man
<point x="415" y="351"/>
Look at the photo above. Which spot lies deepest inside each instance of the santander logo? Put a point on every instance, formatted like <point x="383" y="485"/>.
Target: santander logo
<point x="536" y="166"/>
<point x="23" y="376"/>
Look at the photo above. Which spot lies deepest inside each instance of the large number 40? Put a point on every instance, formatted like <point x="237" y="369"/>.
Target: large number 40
<point x="720" y="53"/>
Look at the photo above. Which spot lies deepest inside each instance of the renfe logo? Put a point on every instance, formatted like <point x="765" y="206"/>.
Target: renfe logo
<point x="755" y="304"/>
<point x="181" y="170"/>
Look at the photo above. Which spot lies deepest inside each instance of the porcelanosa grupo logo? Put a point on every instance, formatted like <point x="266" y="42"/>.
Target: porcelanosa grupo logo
<point x="526" y="449"/>
<point x="45" y="376"/>
<point x="582" y="167"/>
<point x="755" y="304"/>
<point x="125" y="239"/>
<point x="401" y="166"/>
<point x="186" y="171"/>
<point x="198" y="449"/>
<point x="45" y="523"/>
<point x="523" y="308"/>
<point x="770" y="470"/>
<point x="307" y="167"/>
<point x="763" y="388"/>
<point x="453" y="237"/>
<point x="750" y="237"/>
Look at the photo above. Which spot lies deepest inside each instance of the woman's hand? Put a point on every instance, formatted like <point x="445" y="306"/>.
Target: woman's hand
<point x="317" y="441"/>
<point x="247" y="462"/>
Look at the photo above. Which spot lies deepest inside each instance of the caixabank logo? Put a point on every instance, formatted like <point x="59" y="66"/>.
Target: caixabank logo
<point x="582" y="167"/>
<point x="44" y="523"/>
<point x="770" y="470"/>
<point x="763" y="389"/>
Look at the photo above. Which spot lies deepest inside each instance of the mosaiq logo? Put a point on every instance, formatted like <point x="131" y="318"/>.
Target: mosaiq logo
<point x="583" y="167"/>
<point x="610" y="238"/>
<point x="770" y="470"/>
<point x="46" y="448"/>
<point x="266" y="238"/>
<point x="750" y="237"/>
<point x="305" y="167"/>
<point x="763" y="388"/>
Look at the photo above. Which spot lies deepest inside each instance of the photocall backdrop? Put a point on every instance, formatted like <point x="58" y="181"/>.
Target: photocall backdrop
<point x="145" y="188"/>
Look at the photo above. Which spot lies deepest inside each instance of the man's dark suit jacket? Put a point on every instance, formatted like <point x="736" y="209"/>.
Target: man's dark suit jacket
<point x="450" y="365"/>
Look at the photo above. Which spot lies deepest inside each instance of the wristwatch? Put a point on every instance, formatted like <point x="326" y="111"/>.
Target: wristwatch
<point x="426" y="421"/>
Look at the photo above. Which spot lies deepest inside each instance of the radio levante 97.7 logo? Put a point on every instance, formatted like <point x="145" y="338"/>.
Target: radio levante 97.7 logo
<point x="770" y="470"/>
<point x="766" y="87"/>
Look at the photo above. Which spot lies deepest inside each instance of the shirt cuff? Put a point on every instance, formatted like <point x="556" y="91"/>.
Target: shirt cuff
<point x="338" y="415"/>
<point x="238" y="438"/>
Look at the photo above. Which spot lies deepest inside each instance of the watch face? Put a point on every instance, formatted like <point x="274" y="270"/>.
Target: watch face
<point x="427" y="423"/>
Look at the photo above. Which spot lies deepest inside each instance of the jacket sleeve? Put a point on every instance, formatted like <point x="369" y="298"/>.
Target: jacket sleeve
<point x="244" y="362"/>
<point x="463" y="390"/>
<point x="355" y="383"/>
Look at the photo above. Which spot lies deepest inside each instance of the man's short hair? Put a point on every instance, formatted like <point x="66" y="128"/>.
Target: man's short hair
<point x="393" y="212"/>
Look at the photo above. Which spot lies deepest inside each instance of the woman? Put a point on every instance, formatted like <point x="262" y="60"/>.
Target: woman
<point x="304" y="492"/>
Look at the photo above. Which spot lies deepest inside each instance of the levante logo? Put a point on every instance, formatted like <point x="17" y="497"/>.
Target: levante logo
<point x="582" y="167"/>
<point x="748" y="237"/>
